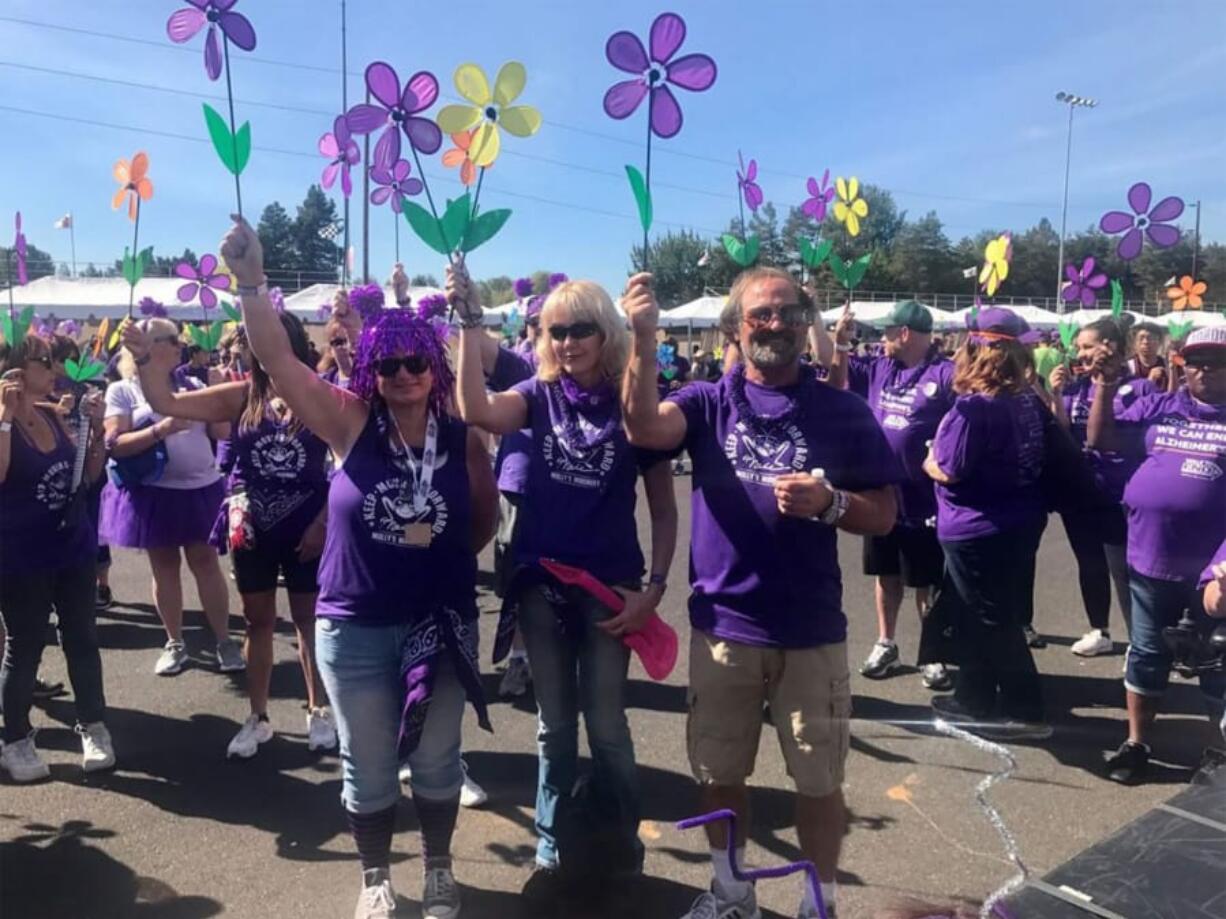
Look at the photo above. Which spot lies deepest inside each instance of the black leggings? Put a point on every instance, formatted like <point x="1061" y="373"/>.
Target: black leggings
<point x="1093" y="536"/>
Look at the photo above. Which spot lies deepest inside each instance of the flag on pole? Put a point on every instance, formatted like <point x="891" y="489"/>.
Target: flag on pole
<point x="704" y="258"/>
<point x="969" y="272"/>
<point x="64" y="223"/>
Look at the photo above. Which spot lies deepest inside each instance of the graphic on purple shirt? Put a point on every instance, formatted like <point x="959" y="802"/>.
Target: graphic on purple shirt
<point x="580" y="496"/>
<point x="1176" y="500"/>
<point x="909" y="404"/>
<point x="285" y="477"/>
<point x="759" y="577"/>
<point x="514" y="450"/>
<point x="1111" y="469"/>
<point x="992" y="446"/>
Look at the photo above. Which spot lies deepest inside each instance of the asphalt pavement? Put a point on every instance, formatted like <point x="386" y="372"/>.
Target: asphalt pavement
<point x="177" y="832"/>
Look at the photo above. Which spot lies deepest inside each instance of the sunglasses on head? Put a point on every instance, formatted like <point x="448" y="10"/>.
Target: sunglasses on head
<point x="413" y="363"/>
<point x="339" y="343"/>
<point x="792" y="314"/>
<point x="576" y="330"/>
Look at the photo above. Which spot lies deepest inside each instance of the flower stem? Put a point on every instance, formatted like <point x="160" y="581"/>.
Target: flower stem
<point x="477" y="196"/>
<point x="396" y="223"/>
<point x="8" y="276"/>
<point x="429" y="197"/>
<point x="135" y="256"/>
<point x="238" y="191"/>
<point x="647" y="183"/>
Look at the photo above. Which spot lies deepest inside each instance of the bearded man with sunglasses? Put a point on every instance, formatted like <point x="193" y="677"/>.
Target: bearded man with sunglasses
<point x="780" y="462"/>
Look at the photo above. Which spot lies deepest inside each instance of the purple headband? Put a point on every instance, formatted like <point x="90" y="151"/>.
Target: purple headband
<point x="402" y="331"/>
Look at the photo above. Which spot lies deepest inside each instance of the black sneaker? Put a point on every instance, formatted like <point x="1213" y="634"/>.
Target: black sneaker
<point x="545" y="888"/>
<point x="1033" y="638"/>
<point x="953" y="711"/>
<point x="44" y="690"/>
<point x="104" y="599"/>
<point x="1013" y="729"/>
<point x="1128" y="764"/>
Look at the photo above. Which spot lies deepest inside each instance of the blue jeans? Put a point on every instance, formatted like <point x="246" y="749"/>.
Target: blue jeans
<point x="1156" y="605"/>
<point x="360" y="668"/>
<point x="581" y="669"/>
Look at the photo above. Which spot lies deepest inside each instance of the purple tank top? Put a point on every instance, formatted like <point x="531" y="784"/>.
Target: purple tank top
<point x="285" y="476"/>
<point x="370" y="570"/>
<point x="32" y="501"/>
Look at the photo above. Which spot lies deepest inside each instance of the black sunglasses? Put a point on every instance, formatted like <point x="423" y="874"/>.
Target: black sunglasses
<point x="413" y="363"/>
<point x="792" y="314"/>
<point x="1206" y="363"/>
<point x="339" y="343"/>
<point x="576" y="330"/>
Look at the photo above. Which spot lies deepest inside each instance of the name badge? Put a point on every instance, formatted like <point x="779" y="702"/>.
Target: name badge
<point x="930" y="388"/>
<point x="418" y="534"/>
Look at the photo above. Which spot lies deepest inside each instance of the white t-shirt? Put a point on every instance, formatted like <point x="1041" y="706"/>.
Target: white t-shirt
<point x="189" y="454"/>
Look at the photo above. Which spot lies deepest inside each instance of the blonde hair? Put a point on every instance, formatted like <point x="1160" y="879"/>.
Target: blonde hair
<point x="156" y="326"/>
<point x="585" y="301"/>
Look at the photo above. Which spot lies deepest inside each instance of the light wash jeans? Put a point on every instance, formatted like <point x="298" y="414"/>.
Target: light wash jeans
<point x="582" y="669"/>
<point x="360" y="667"/>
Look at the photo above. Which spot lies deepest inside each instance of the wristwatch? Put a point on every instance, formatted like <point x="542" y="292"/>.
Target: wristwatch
<point x="5" y="427"/>
<point x="259" y="290"/>
<point x="839" y="500"/>
<point x="660" y="581"/>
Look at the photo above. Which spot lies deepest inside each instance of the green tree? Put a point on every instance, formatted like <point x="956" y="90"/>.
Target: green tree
<point x="423" y="280"/>
<point x="316" y="258"/>
<point x="496" y="291"/>
<point x="921" y="259"/>
<point x="674" y="263"/>
<point x="276" y="232"/>
<point x="39" y="264"/>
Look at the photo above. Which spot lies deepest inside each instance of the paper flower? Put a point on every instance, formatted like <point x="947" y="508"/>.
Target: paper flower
<point x="19" y="248"/>
<point x="461" y="155"/>
<point x="152" y="309"/>
<point x="819" y="198"/>
<point x="695" y="72"/>
<point x="184" y="24"/>
<point x="489" y="110"/>
<point x="1143" y="221"/>
<point x="394" y="183"/>
<point x="850" y="209"/>
<point x="68" y="327"/>
<point x="277" y="299"/>
<point x="523" y="287"/>
<point x="1083" y="285"/>
<point x="746" y="180"/>
<point x="202" y="281"/>
<point x="324" y="312"/>
<point x="133" y="183"/>
<point x="340" y="147"/>
<point x="1187" y="294"/>
<point x="996" y="258"/>
<point x="397" y="111"/>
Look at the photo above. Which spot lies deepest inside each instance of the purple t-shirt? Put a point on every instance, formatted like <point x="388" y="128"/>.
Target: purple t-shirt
<point x="1111" y="469"/>
<point x="514" y="450"/>
<point x="759" y="577"/>
<point x="580" y="497"/>
<point x="909" y="404"/>
<point x="1176" y="500"/>
<point x="993" y="447"/>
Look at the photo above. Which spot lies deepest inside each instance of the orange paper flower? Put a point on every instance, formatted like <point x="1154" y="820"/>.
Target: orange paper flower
<point x="461" y="155"/>
<point x="132" y="183"/>
<point x="1187" y="294"/>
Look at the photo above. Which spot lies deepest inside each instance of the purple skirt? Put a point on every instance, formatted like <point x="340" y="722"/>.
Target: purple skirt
<point x="148" y="517"/>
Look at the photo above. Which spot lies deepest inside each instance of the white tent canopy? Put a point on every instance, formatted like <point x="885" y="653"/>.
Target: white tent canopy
<point x="702" y="313"/>
<point x="1036" y="317"/>
<point x="1085" y="317"/>
<point x="98" y="298"/>
<point x="875" y="313"/>
<point x="306" y="302"/>
<point x="1200" y="319"/>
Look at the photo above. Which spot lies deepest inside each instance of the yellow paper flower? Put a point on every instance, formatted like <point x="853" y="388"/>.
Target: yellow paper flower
<point x="1187" y="294"/>
<point x="489" y="110"/>
<point x="224" y="269"/>
<point x="850" y="209"/>
<point x="996" y="258"/>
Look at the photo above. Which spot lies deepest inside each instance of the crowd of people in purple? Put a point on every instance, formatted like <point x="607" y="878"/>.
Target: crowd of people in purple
<point x="365" y="486"/>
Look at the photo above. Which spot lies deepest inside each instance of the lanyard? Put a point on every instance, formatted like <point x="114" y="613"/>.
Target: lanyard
<point x="420" y="477"/>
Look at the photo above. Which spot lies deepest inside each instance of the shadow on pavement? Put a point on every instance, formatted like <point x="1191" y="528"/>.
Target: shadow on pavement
<point x="53" y="873"/>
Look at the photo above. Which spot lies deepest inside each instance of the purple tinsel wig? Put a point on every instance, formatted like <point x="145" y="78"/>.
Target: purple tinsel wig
<point x="402" y="332"/>
<point x="152" y="309"/>
<point x="367" y="301"/>
<point x="523" y="287"/>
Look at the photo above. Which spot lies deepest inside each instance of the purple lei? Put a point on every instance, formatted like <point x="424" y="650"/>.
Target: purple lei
<point x="571" y="398"/>
<point x="768" y="425"/>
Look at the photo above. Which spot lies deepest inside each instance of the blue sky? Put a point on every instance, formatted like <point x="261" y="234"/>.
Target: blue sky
<point x="948" y="104"/>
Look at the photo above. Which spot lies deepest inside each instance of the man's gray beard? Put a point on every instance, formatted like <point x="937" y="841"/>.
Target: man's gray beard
<point x="775" y="353"/>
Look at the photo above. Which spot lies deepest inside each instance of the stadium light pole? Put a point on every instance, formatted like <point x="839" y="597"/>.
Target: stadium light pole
<point x="1072" y="101"/>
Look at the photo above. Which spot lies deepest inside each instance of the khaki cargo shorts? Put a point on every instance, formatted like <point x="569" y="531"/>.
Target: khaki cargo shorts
<point x="809" y="691"/>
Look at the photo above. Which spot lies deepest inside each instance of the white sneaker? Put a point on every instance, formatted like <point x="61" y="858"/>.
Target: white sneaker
<point x="712" y="905"/>
<point x="21" y="761"/>
<point x="405" y="774"/>
<point x="440" y="898"/>
<point x="1092" y="644"/>
<point x="246" y="742"/>
<point x="516" y="679"/>
<point x="881" y="661"/>
<point x="171" y="660"/>
<point x="321" y="730"/>
<point x="471" y="794"/>
<point x="97" y="748"/>
<point x="377" y="899"/>
<point x="936" y="677"/>
<point x="230" y="656"/>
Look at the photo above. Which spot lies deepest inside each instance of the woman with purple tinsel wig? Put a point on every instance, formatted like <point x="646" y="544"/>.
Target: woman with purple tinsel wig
<point x="396" y="628"/>
<point x="578" y="509"/>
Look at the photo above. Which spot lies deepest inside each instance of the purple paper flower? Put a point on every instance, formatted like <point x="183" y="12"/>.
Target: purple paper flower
<point x="695" y="72"/>
<point x="367" y="300"/>
<point x="342" y="150"/>
<point x="746" y="181"/>
<point x="1083" y="285"/>
<point x="324" y="311"/>
<point x="41" y="327"/>
<point x="152" y="309"/>
<point x="394" y="183"/>
<point x="556" y="279"/>
<point x="523" y="288"/>
<point x="1143" y="219"/>
<point x="68" y="328"/>
<point x="819" y="197"/>
<point x="19" y="246"/>
<point x="277" y="299"/>
<point x="184" y="24"/>
<point x="397" y="111"/>
<point x="202" y="281"/>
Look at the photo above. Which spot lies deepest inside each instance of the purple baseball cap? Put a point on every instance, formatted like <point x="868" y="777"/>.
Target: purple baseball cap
<point x="995" y="323"/>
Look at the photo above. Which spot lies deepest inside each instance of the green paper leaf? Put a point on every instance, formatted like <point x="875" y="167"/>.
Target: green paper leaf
<point x="857" y="269"/>
<point x="81" y="372"/>
<point x="242" y="141"/>
<point x="752" y="246"/>
<point x="1179" y="330"/>
<point x="735" y="248"/>
<point x="1068" y="333"/>
<point x="16" y="327"/>
<point x="455" y="221"/>
<point x="483" y="229"/>
<point x="6" y="327"/>
<point x="231" y="311"/>
<point x="642" y="196"/>
<point x="426" y="227"/>
<point x="234" y="150"/>
<point x="813" y="255"/>
<point x="1117" y="298"/>
<point x="839" y="268"/>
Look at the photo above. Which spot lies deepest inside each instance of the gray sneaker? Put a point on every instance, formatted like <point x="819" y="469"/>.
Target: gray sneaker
<point x="936" y="677"/>
<point x="230" y="656"/>
<point x="377" y="899"/>
<point x="881" y="661"/>
<point x="516" y="679"/>
<point x="712" y="905"/>
<point x="440" y="898"/>
<point x="170" y="662"/>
